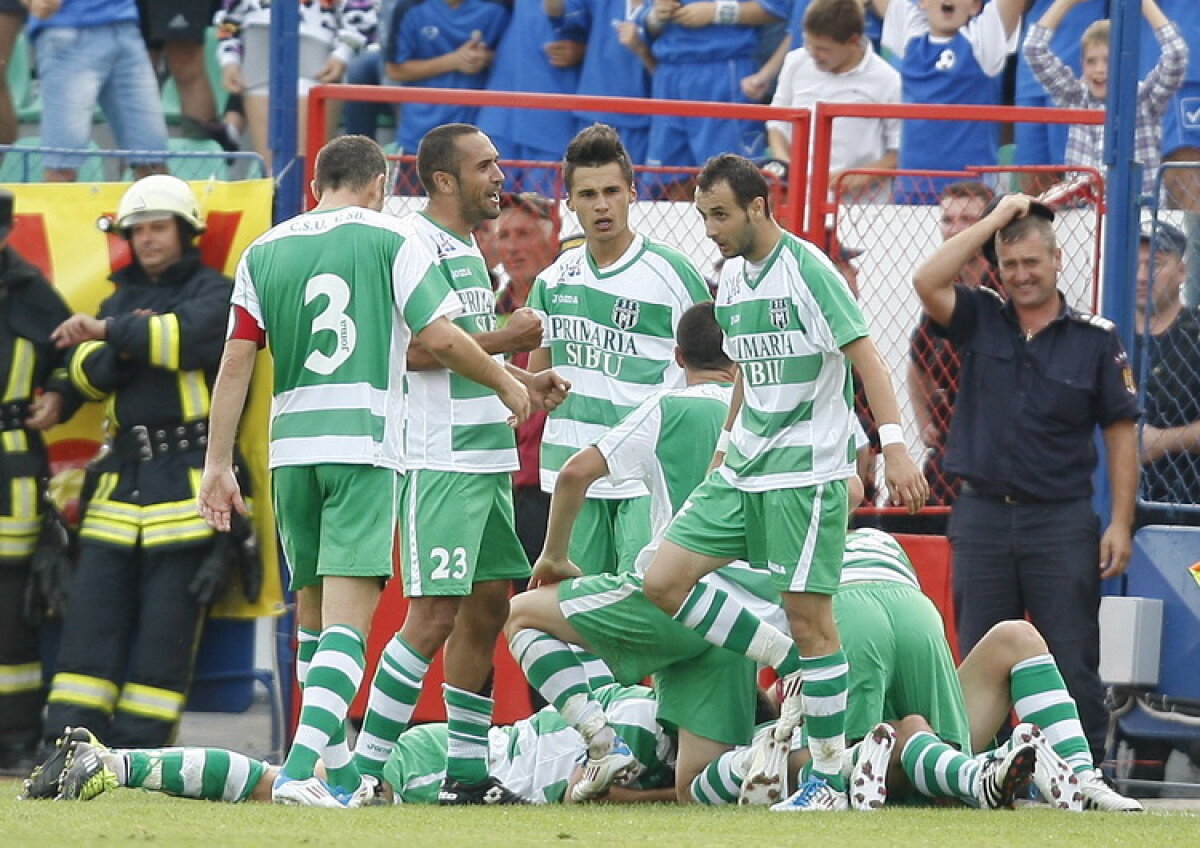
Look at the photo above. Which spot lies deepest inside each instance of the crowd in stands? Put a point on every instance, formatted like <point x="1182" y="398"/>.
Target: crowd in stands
<point x="782" y="52"/>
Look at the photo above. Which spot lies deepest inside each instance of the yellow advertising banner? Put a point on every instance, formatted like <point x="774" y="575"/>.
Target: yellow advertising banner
<point x="55" y="228"/>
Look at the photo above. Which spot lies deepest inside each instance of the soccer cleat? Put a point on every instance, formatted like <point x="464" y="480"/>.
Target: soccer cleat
<point x="1099" y="795"/>
<point x="791" y="707"/>
<point x="1001" y="776"/>
<point x="42" y="782"/>
<point x="1052" y="775"/>
<point x="85" y="775"/>
<point x="765" y="781"/>
<point x="868" y="779"/>
<point x="487" y="792"/>
<point x="310" y="792"/>
<point x="601" y="773"/>
<point x="815" y="795"/>
<point x="368" y="794"/>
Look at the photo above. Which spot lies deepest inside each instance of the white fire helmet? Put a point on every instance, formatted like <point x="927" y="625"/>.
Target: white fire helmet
<point x="155" y="197"/>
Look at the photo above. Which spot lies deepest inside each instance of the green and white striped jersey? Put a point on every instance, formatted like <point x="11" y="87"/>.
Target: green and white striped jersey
<point x="339" y="294"/>
<point x="456" y="424"/>
<point x="667" y="444"/>
<point x="785" y="325"/>
<point x="611" y="332"/>
<point x="535" y="756"/>
<point x="873" y="556"/>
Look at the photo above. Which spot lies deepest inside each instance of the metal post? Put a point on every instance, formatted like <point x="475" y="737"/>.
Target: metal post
<point x="285" y="71"/>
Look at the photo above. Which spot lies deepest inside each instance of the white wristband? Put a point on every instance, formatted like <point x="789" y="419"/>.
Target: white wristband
<point x="728" y="12"/>
<point x="890" y="434"/>
<point x="722" y="442"/>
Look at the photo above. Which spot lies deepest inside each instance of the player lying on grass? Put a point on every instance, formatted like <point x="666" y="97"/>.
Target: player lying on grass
<point x="920" y="719"/>
<point x="539" y="757"/>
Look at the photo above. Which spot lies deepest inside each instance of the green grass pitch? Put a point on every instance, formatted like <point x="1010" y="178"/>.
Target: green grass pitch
<point x="137" y="818"/>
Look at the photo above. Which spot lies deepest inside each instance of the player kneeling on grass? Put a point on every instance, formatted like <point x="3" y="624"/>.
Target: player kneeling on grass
<point x="539" y="757"/>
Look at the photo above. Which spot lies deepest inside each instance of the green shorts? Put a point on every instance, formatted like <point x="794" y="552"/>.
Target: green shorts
<point x="701" y="688"/>
<point x="336" y="520"/>
<point x="457" y="530"/>
<point x="900" y="663"/>
<point x="608" y="534"/>
<point x="799" y="535"/>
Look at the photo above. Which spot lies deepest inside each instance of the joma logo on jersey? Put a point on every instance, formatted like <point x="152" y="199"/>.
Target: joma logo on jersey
<point x="779" y="314"/>
<point x="625" y="312"/>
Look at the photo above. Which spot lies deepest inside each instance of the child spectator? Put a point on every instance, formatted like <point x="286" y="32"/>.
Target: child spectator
<point x="947" y="51"/>
<point x="1085" y="144"/>
<point x="837" y="64"/>
<point x="1041" y="143"/>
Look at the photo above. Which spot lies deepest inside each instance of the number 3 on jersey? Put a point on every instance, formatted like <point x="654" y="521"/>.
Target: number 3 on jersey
<point x="451" y="565"/>
<point x="332" y="318"/>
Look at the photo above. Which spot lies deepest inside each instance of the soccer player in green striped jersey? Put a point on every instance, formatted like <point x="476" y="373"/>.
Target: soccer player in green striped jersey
<point x="460" y="551"/>
<point x="779" y="499"/>
<point x="337" y="293"/>
<point x="609" y="308"/>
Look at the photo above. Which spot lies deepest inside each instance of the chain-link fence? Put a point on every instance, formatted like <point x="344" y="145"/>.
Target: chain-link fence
<point x="664" y="210"/>
<point x="884" y="244"/>
<point x="1166" y="354"/>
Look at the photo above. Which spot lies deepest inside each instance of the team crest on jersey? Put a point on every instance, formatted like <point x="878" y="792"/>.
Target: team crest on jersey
<point x="445" y="246"/>
<point x="573" y="268"/>
<point x="625" y="313"/>
<point x="779" y="313"/>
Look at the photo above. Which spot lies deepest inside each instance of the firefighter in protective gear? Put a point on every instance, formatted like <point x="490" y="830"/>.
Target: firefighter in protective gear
<point x="132" y="624"/>
<point x="30" y="309"/>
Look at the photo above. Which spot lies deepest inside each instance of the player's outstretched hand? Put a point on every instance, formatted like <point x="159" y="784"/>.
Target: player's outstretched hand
<point x="515" y="396"/>
<point x="218" y="497"/>
<point x="906" y="483"/>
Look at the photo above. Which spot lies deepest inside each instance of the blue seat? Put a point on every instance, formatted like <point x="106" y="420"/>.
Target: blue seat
<point x="23" y="163"/>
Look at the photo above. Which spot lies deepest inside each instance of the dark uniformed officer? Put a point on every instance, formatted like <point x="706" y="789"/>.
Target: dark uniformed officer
<point x="151" y="355"/>
<point x="30" y="309"/>
<point x="1037" y="379"/>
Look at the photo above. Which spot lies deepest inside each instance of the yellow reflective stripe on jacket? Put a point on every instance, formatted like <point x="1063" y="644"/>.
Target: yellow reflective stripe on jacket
<point x="150" y="702"/>
<point x="194" y="396"/>
<point x="119" y="523"/>
<point x="78" y="376"/>
<point x="15" y="441"/>
<point x="164" y="341"/>
<point x="20" y="371"/>
<point x="15" y="679"/>
<point x="92" y="692"/>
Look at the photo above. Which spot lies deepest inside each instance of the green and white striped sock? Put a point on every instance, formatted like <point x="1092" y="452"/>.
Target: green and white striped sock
<point x="720" y="783"/>
<point x="339" y="764"/>
<point x="468" y="719"/>
<point x="555" y="670"/>
<point x="332" y="681"/>
<point x="210" y="774"/>
<point x="825" y="682"/>
<point x="1040" y="697"/>
<point x="937" y="770"/>
<point x="394" y="693"/>
<point x="717" y="617"/>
